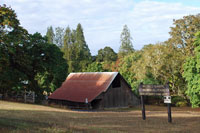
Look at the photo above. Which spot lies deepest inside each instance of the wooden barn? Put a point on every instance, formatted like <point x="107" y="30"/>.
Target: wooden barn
<point x="97" y="90"/>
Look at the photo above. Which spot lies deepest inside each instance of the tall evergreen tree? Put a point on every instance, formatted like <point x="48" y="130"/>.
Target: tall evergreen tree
<point x="126" y="42"/>
<point x="76" y="50"/>
<point x="69" y="49"/>
<point x="59" y="36"/>
<point x="67" y="43"/>
<point x="50" y="35"/>
<point x="82" y="50"/>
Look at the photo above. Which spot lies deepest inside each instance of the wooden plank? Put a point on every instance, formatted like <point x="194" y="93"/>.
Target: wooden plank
<point x="158" y="90"/>
<point x="163" y="92"/>
<point x="155" y="94"/>
<point x="152" y="86"/>
<point x="153" y="90"/>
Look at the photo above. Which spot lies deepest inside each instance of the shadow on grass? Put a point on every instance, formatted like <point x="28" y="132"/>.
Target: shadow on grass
<point x="35" y="121"/>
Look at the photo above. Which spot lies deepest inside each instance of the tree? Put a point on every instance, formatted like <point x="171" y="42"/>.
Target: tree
<point x="126" y="42"/>
<point x="27" y="62"/>
<point x="13" y="40"/>
<point x="106" y="55"/>
<point x="83" y="54"/>
<point x="50" y="35"/>
<point x="182" y="34"/>
<point x="125" y="67"/>
<point x="76" y="51"/>
<point x="69" y="49"/>
<point x="59" y="36"/>
<point x="192" y="74"/>
<point x="95" y="67"/>
<point x="73" y="62"/>
<point x="162" y="63"/>
<point x="49" y="69"/>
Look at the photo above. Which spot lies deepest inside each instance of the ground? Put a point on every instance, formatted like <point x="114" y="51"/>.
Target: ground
<point x="19" y="117"/>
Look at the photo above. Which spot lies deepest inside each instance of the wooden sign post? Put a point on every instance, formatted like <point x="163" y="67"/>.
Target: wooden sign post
<point x="143" y="106"/>
<point x="155" y="90"/>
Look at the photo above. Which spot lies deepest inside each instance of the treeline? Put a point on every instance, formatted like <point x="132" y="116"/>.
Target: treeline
<point x="41" y="64"/>
<point x="73" y="45"/>
<point x="77" y="54"/>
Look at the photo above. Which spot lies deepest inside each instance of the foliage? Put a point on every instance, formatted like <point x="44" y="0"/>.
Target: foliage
<point x="179" y="101"/>
<point x="69" y="49"/>
<point x="126" y="42"/>
<point x="123" y="65"/>
<point x="27" y="61"/>
<point x="95" y="67"/>
<point x="49" y="67"/>
<point x="59" y="36"/>
<point x="182" y="34"/>
<point x="12" y="41"/>
<point x="83" y="54"/>
<point x="106" y="55"/>
<point x="192" y="74"/>
<point x="75" y="49"/>
<point x="163" y="64"/>
<point x="50" y="35"/>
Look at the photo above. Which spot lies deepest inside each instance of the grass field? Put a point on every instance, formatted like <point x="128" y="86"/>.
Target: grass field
<point x="18" y="117"/>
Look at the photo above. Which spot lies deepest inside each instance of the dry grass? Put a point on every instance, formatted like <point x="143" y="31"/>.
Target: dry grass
<point x="18" y="117"/>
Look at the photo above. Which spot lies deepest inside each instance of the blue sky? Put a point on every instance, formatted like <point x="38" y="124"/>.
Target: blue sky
<point x="195" y="3"/>
<point x="148" y="20"/>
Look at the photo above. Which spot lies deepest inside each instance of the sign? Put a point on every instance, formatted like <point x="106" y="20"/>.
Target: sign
<point x="167" y="99"/>
<point x="152" y="90"/>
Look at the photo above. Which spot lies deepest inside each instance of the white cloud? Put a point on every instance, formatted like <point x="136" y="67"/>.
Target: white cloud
<point x="102" y="20"/>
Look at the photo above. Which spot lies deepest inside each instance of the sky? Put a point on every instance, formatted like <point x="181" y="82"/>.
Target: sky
<point x="149" y="21"/>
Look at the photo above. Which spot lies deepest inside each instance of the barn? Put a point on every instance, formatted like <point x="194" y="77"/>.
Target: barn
<point x="96" y="90"/>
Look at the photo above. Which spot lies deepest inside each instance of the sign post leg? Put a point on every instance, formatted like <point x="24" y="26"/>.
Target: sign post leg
<point x="169" y="113"/>
<point x="143" y="108"/>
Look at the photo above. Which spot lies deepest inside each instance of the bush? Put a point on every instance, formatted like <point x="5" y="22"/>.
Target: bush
<point x="181" y="104"/>
<point x="179" y="101"/>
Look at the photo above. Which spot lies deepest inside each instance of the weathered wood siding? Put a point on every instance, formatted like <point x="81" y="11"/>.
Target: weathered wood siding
<point x="121" y="96"/>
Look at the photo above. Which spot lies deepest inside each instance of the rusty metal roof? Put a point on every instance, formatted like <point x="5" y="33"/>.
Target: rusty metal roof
<point x="79" y="86"/>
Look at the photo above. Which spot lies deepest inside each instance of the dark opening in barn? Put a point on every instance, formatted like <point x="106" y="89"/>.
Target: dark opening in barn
<point x="116" y="82"/>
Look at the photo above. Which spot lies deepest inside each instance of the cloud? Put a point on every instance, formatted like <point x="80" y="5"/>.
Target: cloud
<point x="151" y="21"/>
<point x="103" y="20"/>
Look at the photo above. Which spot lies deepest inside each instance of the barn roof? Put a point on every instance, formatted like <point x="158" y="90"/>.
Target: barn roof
<point x="79" y="86"/>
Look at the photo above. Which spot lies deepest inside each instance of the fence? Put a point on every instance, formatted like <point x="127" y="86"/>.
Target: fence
<point x="27" y="97"/>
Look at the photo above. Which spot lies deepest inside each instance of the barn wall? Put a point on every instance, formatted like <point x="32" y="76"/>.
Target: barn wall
<point x="69" y="104"/>
<point x="119" y="96"/>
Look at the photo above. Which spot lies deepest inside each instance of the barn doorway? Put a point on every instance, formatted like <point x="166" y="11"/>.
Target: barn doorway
<point x="96" y="103"/>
